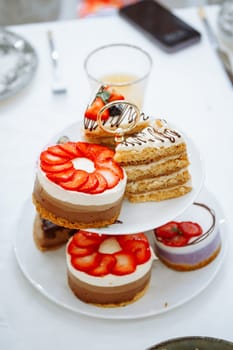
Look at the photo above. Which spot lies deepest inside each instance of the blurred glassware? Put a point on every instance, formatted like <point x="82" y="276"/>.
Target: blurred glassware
<point x="14" y="12"/>
<point x="124" y="67"/>
<point x="225" y="22"/>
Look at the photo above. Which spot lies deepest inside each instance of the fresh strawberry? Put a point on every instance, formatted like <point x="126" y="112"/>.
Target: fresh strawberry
<point x="104" y="155"/>
<point x="168" y="230"/>
<point x="93" y="110"/>
<point x="76" y="181"/>
<point x="116" y="96"/>
<point x="83" y="148"/>
<point x="93" y="151"/>
<point x="87" y="239"/>
<point x="123" y="239"/>
<point x="105" y="266"/>
<point x="73" y="249"/>
<point x="65" y="175"/>
<point x="86" y="263"/>
<point x="179" y="240"/>
<point x="49" y="168"/>
<point x="110" y="176"/>
<point x="91" y="184"/>
<point x="125" y="263"/>
<point x="111" y="165"/>
<point x="50" y="158"/>
<point x="139" y="248"/>
<point x="102" y="184"/>
<point x="71" y="149"/>
<point x="190" y="229"/>
<point x="58" y="151"/>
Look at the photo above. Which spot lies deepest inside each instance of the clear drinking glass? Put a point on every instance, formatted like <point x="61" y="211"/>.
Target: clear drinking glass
<point x="122" y="66"/>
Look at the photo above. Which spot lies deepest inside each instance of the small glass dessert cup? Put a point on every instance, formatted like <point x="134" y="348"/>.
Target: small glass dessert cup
<point x="197" y="251"/>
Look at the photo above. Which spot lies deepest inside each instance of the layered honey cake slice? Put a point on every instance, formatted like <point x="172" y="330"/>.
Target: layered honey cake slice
<point x="114" y="117"/>
<point x="156" y="163"/>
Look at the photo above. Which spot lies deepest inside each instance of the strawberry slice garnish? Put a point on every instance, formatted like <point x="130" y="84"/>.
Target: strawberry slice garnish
<point x="73" y="249"/>
<point x="91" y="183"/>
<point x="93" y="151"/>
<point x="49" y="168"/>
<point x="113" y="166"/>
<point x="77" y="180"/>
<point x="50" y="158"/>
<point x="116" y="96"/>
<point x="83" y="148"/>
<point x="93" y="110"/>
<point x="65" y="175"/>
<point x="190" y="229"/>
<point x="125" y="263"/>
<point x="87" y="239"/>
<point x="104" y="154"/>
<point x="71" y="149"/>
<point x="168" y="230"/>
<point x="86" y="263"/>
<point x="179" y="240"/>
<point x="110" y="176"/>
<point x="102" y="184"/>
<point x="139" y="248"/>
<point x="107" y="261"/>
<point x="58" y="151"/>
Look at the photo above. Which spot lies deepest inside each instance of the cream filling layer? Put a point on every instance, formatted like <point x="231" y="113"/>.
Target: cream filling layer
<point x="152" y="164"/>
<point x="111" y="280"/>
<point x="79" y="198"/>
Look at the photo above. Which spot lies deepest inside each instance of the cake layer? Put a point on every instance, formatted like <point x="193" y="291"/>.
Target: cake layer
<point x="159" y="182"/>
<point x="48" y="236"/>
<point x="165" y="166"/>
<point x="109" y="296"/>
<point x="159" y="195"/>
<point x="74" y="215"/>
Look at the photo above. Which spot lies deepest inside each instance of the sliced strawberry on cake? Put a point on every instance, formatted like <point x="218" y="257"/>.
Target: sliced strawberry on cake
<point x="115" y="269"/>
<point x="79" y="185"/>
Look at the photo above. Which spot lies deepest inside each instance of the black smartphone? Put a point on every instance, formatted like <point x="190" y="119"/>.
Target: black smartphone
<point x="168" y="30"/>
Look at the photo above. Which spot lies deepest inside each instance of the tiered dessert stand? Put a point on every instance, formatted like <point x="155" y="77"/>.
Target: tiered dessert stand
<point x="168" y="288"/>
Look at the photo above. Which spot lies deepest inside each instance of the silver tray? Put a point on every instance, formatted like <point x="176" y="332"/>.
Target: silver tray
<point x="18" y="63"/>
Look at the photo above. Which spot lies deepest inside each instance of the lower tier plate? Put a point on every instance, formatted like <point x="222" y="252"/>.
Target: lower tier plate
<point x="168" y="288"/>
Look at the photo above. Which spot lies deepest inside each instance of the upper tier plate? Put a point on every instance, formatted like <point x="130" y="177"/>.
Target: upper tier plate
<point x="138" y="217"/>
<point x="18" y="63"/>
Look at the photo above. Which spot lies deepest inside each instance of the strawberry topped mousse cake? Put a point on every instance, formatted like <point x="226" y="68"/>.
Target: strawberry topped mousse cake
<point x="108" y="270"/>
<point x="189" y="245"/>
<point x="111" y="118"/>
<point x="79" y="185"/>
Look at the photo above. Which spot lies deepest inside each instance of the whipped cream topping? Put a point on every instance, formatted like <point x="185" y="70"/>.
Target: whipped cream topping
<point x="110" y="280"/>
<point x="80" y="198"/>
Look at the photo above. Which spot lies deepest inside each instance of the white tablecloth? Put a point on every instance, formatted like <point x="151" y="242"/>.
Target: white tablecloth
<point x="189" y="89"/>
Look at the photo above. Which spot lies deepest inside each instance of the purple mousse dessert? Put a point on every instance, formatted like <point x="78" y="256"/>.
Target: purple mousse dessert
<point x="191" y="241"/>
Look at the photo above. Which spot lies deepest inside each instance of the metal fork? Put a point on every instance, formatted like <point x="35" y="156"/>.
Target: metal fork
<point x="58" y="86"/>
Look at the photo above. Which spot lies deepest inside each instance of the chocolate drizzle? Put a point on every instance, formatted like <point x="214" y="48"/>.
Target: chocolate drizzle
<point x="126" y="115"/>
<point x="151" y="134"/>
